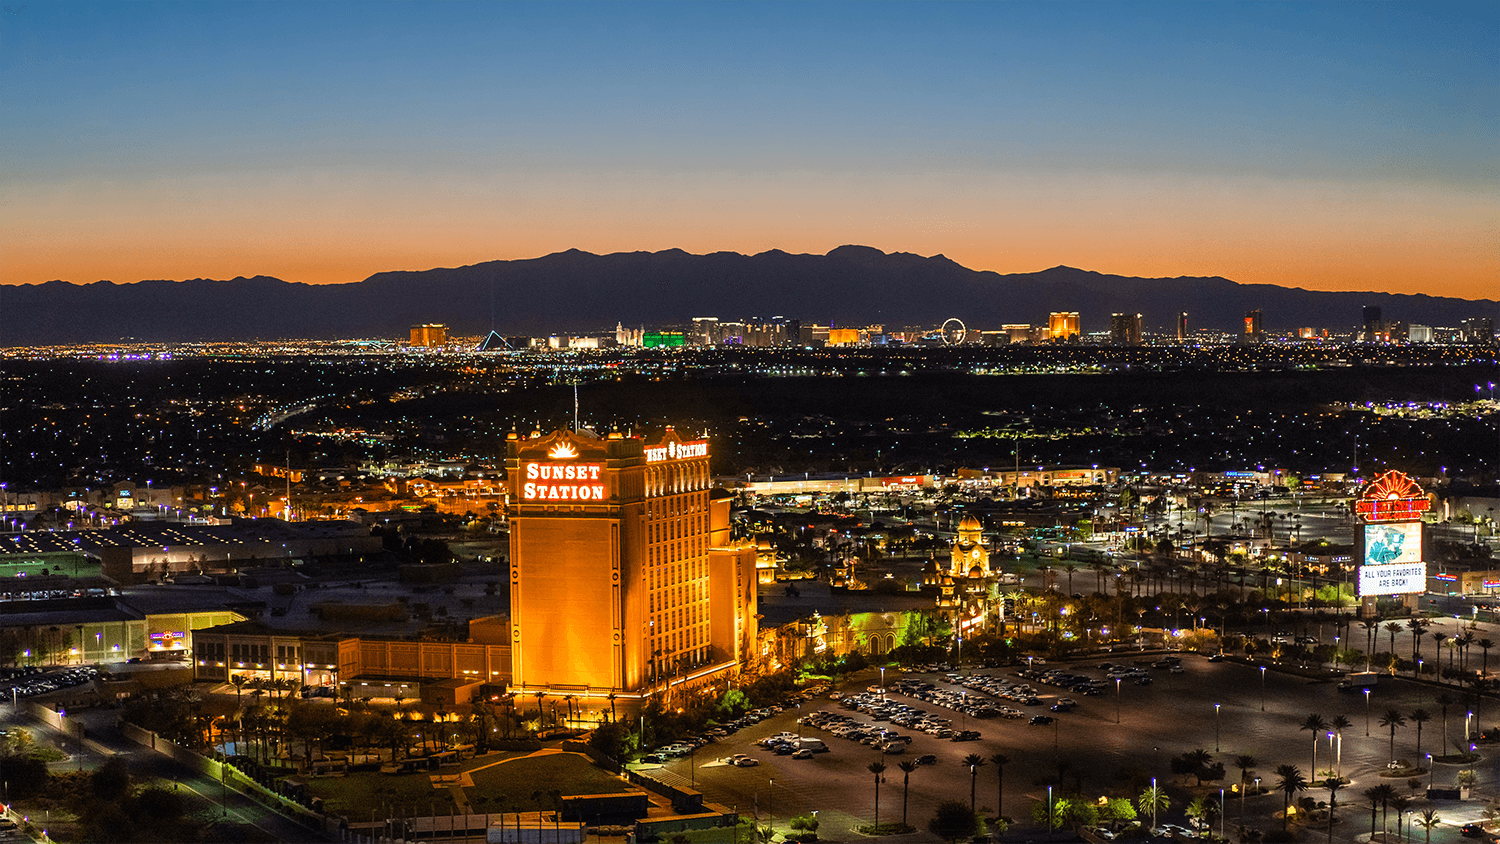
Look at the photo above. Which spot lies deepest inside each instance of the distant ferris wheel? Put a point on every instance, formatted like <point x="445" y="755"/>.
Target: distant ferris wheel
<point x="953" y="331"/>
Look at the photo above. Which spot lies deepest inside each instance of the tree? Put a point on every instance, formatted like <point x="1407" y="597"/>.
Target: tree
<point x="1153" y="800"/>
<point x="1382" y="795"/>
<point x="1485" y="645"/>
<point x="953" y="821"/>
<point x="974" y="761"/>
<point x="1333" y="784"/>
<point x="1317" y="725"/>
<point x="999" y="760"/>
<point x="1393" y="719"/>
<point x="1290" y="781"/>
<point x="1244" y="762"/>
<point x="1444" y="700"/>
<point x="906" y="766"/>
<point x="1338" y="725"/>
<point x="1419" y="716"/>
<point x="1428" y="820"/>
<point x="878" y="769"/>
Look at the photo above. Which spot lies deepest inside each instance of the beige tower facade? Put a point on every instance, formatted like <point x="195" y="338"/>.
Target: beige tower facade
<point x="616" y="587"/>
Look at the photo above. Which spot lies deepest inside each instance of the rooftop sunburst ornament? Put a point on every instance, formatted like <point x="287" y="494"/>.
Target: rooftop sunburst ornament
<point x="563" y="451"/>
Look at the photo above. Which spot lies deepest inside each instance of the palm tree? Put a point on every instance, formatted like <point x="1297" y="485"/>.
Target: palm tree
<point x="999" y="760"/>
<point x="1485" y="645"/>
<point x="1244" y="762"/>
<point x="1153" y="799"/>
<point x="1381" y="795"/>
<point x="1371" y="626"/>
<point x="1393" y="719"/>
<point x="1429" y="820"/>
<point x="1393" y="628"/>
<point x="1437" y="639"/>
<point x="1339" y="724"/>
<point x="1420" y="716"/>
<point x="1400" y="803"/>
<point x="906" y="766"/>
<point x="975" y="762"/>
<point x="1316" y="725"/>
<point x="878" y="769"/>
<point x="1290" y="781"/>
<point x="1445" y="701"/>
<point x="1418" y="629"/>
<point x="1333" y="784"/>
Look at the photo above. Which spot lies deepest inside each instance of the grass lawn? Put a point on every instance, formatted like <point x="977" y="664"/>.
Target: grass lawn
<point x="512" y="783"/>
<point x="506" y="786"/>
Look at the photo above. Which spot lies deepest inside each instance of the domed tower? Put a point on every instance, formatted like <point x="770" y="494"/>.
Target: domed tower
<point x="969" y="556"/>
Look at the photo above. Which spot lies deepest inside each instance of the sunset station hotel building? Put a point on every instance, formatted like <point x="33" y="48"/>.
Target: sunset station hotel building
<point x="624" y="581"/>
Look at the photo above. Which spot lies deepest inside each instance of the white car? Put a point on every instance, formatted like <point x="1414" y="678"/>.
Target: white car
<point x="747" y="762"/>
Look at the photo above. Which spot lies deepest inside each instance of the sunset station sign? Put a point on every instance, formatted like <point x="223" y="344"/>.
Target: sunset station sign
<point x="562" y="482"/>
<point x="677" y="451"/>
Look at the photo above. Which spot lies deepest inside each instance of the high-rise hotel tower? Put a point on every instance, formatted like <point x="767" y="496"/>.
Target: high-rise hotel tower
<point x="623" y="579"/>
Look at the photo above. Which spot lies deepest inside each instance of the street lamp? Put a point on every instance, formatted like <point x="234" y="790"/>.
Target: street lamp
<point x="1262" y="688"/>
<point x="1117" y="700"/>
<point x="1217" y="722"/>
<point x="1367" y="711"/>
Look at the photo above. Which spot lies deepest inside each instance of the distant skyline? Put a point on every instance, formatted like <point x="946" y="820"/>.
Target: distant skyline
<point x="1331" y="146"/>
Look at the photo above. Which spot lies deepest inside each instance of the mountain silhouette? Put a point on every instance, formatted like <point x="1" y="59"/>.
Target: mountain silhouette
<point x="576" y="291"/>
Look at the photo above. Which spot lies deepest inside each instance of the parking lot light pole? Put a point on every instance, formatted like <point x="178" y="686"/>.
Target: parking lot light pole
<point x="1217" y="722"/>
<point x="1367" y="711"/>
<point x="1117" y="700"/>
<point x="1262" y="688"/>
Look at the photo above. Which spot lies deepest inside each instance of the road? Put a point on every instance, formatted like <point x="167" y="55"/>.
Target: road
<point x="104" y="741"/>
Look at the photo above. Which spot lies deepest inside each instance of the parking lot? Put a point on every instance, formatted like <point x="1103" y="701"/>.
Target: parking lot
<point x="1110" y="742"/>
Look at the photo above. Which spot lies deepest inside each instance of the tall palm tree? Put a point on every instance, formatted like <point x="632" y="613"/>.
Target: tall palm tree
<point x="1393" y="719"/>
<point x="1290" y="781"/>
<point x="906" y="766"/>
<point x="999" y="760"/>
<point x="1485" y="645"/>
<point x="1317" y="726"/>
<point x="1393" y="628"/>
<point x="1445" y="701"/>
<point x="1244" y="762"/>
<point x="975" y="762"/>
<point x="1333" y="784"/>
<point x="1418" y="629"/>
<point x="1438" y="637"/>
<point x="878" y="769"/>
<point x="1419" y="716"/>
<point x="1339" y="724"/>
<point x="1380" y="795"/>
<point x="1400" y="803"/>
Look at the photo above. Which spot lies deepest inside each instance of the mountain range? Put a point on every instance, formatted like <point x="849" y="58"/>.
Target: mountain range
<point x="577" y="291"/>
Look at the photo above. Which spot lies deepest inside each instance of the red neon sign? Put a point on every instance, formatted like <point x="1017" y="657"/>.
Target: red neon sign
<point x="1392" y="497"/>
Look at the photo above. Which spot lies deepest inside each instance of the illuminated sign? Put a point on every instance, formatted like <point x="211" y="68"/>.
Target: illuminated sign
<point x="563" y="451"/>
<point x="910" y="480"/>
<point x="1389" y="544"/>
<point x="677" y="451"/>
<point x="1393" y="579"/>
<point x="1448" y="577"/>
<point x="1392" y="497"/>
<point x="572" y="482"/>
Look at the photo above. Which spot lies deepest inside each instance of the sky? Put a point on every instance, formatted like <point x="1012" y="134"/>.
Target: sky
<point x="1328" y="145"/>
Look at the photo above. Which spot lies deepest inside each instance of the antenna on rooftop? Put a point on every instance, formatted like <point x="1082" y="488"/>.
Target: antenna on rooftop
<point x="575" y="405"/>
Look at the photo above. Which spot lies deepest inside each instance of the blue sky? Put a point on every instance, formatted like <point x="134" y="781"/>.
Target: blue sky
<point x="509" y="130"/>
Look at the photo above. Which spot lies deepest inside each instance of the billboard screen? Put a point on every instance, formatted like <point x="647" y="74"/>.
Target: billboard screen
<point x="1387" y="544"/>
<point x="1392" y="563"/>
<point x="1393" y="579"/>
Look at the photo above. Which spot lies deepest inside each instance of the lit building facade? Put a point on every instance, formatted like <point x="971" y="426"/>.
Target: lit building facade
<point x="429" y="335"/>
<point x="624" y="580"/>
<point x="1062" y="325"/>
